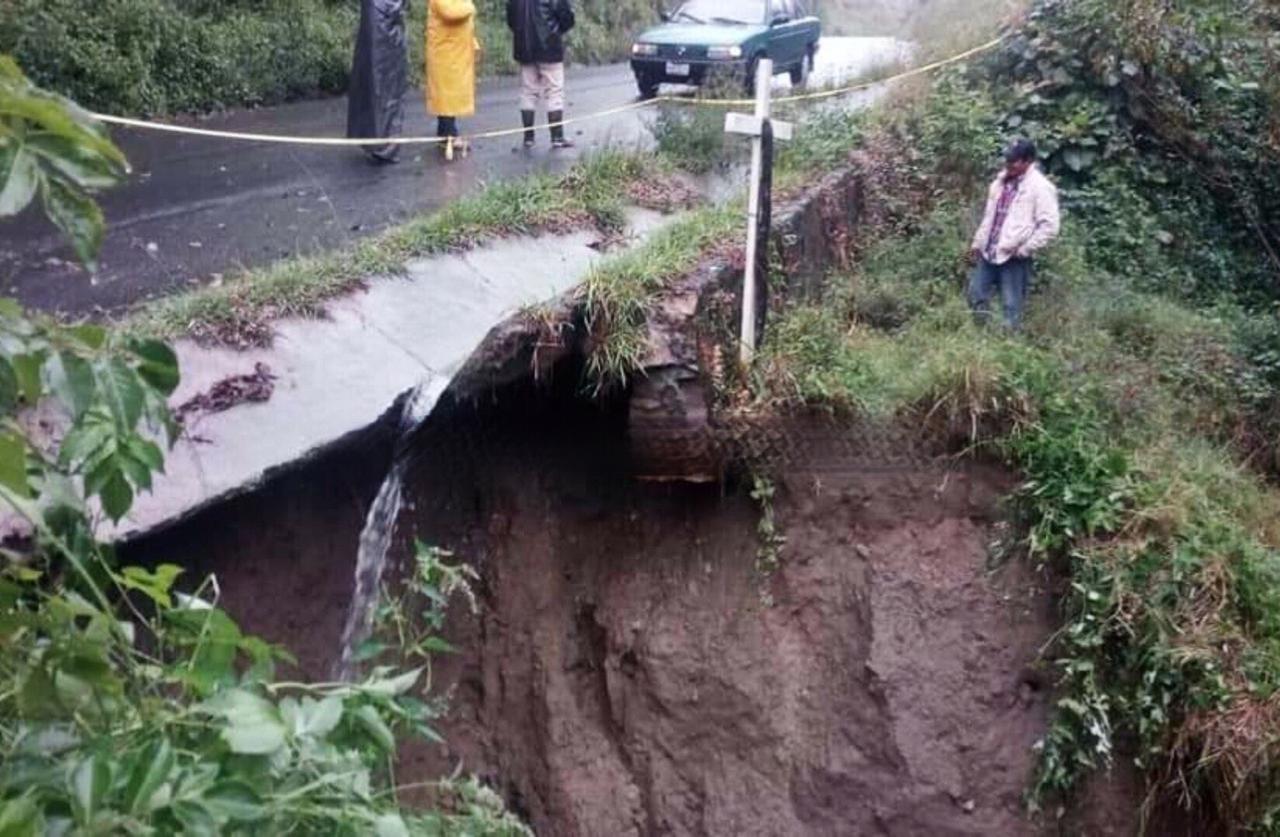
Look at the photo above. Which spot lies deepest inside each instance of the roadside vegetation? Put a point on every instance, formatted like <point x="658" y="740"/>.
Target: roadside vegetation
<point x="160" y="57"/>
<point x="239" y="311"/>
<point x="1141" y="403"/>
<point x="619" y="294"/>
<point x="130" y="703"/>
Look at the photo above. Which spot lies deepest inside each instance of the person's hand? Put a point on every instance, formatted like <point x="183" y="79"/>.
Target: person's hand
<point x="973" y="256"/>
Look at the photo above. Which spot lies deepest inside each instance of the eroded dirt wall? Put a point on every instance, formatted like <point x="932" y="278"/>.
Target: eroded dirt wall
<point x="631" y="672"/>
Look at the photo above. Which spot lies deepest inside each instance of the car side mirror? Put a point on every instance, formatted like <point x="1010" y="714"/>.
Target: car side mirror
<point x="779" y="20"/>
<point x="665" y="16"/>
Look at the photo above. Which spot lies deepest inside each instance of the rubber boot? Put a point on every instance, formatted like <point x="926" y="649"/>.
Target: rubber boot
<point x="558" y="139"/>
<point x="526" y="118"/>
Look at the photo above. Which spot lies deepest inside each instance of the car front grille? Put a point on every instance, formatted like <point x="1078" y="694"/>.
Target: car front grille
<point x="682" y="53"/>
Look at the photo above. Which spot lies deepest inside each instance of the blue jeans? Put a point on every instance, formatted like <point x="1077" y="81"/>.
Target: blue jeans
<point x="1012" y="279"/>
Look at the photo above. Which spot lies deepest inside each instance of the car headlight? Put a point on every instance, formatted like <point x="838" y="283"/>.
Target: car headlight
<point x="722" y="53"/>
<point x="644" y="49"/>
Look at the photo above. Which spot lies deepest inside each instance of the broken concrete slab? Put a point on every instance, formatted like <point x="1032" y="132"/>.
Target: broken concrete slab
<point x="339" y="375"/>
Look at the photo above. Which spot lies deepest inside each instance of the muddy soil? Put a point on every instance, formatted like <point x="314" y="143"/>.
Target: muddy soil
<point x="632" y="672"/>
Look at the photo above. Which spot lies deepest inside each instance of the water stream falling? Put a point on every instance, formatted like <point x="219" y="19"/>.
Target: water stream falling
<point x="380" y="525"/>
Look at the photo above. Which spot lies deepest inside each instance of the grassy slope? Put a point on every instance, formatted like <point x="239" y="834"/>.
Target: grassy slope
<point x="1140" y="419"/>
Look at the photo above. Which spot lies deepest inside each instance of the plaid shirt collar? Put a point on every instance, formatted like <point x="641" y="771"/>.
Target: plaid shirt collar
<point x="1009" y="190"/>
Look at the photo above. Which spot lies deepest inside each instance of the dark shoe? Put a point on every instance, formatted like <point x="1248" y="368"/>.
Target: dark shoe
<point x="384" y="156"/>
<point x="558" y="139"/>
<point x="526" y="119"/>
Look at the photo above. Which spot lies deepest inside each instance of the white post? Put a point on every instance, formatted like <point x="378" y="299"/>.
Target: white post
<point x="764" y="78"/>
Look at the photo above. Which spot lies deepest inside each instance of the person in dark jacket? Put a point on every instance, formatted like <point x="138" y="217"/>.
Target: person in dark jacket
<point x="538" y="28"/>
<point x="379" y="78"/>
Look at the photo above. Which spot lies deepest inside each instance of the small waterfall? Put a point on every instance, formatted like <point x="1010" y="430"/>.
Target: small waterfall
<point x="380" y="526"/>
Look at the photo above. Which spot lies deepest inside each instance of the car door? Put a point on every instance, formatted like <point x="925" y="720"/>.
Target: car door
<point x="786" y="34"/>
<point x="808" y="24"/>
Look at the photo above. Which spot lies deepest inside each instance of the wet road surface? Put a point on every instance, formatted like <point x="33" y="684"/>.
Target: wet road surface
<point x="197" y="208"/>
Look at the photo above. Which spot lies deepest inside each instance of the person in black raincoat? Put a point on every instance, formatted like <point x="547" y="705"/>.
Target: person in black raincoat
<point x="379" y="78"/>
<point x="538" y="28"/>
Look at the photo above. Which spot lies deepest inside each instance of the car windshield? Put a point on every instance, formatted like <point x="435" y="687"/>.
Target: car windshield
<point x="721" y="11"/>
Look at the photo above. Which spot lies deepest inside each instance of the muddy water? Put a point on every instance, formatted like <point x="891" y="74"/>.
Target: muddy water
<point x="379" y="526"/>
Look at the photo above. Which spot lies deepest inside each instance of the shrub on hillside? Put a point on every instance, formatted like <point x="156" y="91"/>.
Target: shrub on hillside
<point x="160" y="56"/>
<point x="167" y="56"/>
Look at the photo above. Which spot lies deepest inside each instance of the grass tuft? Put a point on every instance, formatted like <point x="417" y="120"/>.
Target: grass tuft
<point x="620" y="293"/>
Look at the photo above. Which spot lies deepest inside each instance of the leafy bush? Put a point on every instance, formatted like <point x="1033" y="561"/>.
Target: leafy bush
<point x="1136" y="419"/>
<point x="154" y="56"/>
<point x="127" y="706"/>
<point x="171" y="56"/>
<point x="1159" y="118"/>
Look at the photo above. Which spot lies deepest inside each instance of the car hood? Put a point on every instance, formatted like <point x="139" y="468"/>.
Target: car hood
<point x="700" y="34"/>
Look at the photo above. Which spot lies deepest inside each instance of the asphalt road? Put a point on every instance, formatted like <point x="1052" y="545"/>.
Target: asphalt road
<point x="197" y="208"/>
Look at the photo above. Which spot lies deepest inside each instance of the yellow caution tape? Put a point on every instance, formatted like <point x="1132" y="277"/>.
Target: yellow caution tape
<point x="340" y="142"/>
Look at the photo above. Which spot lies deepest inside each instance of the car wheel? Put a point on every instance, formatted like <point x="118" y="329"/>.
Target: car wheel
<point x="648" y="87"/>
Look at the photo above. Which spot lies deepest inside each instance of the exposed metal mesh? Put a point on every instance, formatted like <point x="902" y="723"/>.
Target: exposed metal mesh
<point x="820" y="442"/>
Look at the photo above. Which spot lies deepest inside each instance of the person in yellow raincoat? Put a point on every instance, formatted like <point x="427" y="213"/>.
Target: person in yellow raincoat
<point x="451" y="64"/>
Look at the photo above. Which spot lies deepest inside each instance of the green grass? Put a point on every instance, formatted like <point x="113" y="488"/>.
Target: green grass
<point x="620" y="293"/>
<point x="170" y="56"/>
<point x="1121" y="409"/>
<point x="237" y="312"/>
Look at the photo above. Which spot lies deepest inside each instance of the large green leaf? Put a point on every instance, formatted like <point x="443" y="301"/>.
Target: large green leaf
<point x="90" y="783"/>
<point x="390" y="825"/>
<point x="20" y="818"/>
<point x="154" y="585"/>
<point x="13" y="464"/>
<point x="9" y="386"/>
<point x="391" y="686"/>
<point x="56" y="115"/>
<point x="216" y="640"/>
<point x="116" y="495"/>
<point x="78" y="216"/>
<point x="150" y="773"/>
<point x="322" y="717"/>
<point x="146" y="452"/>
<point x="22" y="182"/>
<point x="72" y="161"/>
<point x="38" y="696"/>
<point x="197" y="820"/>
<point x="86" y="444"/>
<point x="159" y="366"/>
<point x="254" y="739"/>
<point x="27" y="367"/>
<point x="71" y="379"/>
<point x="136" y="470"/>
<point x="235" y="801"/>
<point x="254" y="726"/>
<point x="93" y="336"/>
<point x="377" y="729"/>
<point x="121" y="391"/>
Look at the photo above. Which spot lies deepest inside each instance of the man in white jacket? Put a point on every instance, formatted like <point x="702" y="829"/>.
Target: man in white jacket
<point x="1021" y="218"/>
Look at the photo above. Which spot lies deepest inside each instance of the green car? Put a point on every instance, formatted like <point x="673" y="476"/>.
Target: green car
<point x="706" y="39"/>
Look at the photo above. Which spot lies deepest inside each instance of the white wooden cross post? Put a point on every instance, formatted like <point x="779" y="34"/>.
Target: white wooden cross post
<point x="754" y="126"/>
